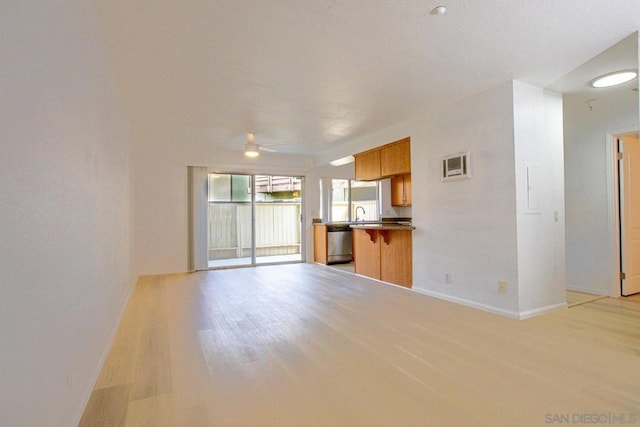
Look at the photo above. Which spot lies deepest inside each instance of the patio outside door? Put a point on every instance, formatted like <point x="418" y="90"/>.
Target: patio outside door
<point x="254" y="219"/>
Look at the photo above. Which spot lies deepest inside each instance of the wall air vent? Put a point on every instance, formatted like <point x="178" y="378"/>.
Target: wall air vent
<point x="456" y="166"/>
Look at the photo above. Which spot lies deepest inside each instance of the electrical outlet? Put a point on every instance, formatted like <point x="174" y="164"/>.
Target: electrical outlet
<point x="447" y="278"/>
<point x="502" y="287"/>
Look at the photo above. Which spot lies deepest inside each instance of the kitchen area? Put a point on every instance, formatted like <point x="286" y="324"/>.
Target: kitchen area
<point x="375" y="245"/>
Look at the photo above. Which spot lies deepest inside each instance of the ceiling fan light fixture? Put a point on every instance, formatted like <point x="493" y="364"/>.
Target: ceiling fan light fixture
<point x="251" y="150"/>
<point x="614" y="79"/>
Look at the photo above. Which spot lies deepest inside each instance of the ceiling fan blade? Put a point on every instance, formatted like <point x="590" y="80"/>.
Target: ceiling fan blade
<point x="270" y="150"/>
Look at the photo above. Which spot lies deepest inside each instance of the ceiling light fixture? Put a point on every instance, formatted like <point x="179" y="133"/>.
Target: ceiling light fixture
<point x="439" y="10"/>
<point x="342" y="161"/>
<point x="613" y="79"/>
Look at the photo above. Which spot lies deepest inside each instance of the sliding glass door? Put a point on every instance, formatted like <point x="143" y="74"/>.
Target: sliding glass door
<point x="254" y="219"/>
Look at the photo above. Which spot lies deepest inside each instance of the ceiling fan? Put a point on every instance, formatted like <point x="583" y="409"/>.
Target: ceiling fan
<point x="251" y="149"/>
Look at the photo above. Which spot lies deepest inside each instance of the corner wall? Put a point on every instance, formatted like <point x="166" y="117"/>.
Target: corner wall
<point x="66" y="233"/>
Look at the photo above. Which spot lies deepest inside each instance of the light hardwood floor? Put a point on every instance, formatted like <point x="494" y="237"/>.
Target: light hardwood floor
<point x="308" y="345"/>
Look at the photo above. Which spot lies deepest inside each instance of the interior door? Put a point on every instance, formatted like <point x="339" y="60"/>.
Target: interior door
<point x="629" y="172"/>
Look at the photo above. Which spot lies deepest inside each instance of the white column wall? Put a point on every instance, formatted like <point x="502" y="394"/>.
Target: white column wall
<point x="541" y="244"/>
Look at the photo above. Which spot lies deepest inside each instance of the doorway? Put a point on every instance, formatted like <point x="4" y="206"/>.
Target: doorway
<point x="254" y="219"/>
<point x="628" y="195"/>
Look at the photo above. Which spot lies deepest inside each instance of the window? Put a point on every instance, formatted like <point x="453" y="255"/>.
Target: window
<point x="355" y="200"/>
<point x="229" y="188"/>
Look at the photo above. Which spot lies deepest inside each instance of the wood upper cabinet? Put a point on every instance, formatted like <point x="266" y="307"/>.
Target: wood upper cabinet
<point x="395" y="158"/>
<point x="385" y="161"/>
<point x="368" y="165"/>
<point x="401" y="190"/>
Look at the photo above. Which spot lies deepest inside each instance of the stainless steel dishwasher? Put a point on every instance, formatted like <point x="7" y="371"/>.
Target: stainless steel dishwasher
<point x="339" y="243"/>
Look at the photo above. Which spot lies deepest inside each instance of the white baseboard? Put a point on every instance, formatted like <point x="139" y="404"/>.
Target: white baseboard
<point x="518" y="315"/>
<point x="103" y="358"/>
<point x="542" y="310"/>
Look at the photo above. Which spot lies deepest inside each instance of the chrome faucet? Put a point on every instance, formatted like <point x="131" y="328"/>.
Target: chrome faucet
<point x="363" y="213"/>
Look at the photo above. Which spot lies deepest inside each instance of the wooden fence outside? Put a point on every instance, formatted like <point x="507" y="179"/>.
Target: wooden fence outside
<point x="277" y="229"/>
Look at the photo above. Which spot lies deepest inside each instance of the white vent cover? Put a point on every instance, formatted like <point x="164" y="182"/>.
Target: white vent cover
<point x="456" y="166"/>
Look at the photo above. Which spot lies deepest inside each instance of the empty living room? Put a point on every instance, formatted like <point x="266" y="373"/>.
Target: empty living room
<point x="319" y="213"/>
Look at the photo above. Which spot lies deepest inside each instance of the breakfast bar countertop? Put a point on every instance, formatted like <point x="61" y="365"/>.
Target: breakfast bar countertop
<point x="382" y="226"/>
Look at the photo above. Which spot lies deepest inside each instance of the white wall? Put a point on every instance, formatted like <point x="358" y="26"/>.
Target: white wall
<point x="161" y="216"/>
<point x="468" y="228"/>
<point x="65" y="229"/>
<point x="591" y="250"/>
<point x="540" y="198"/>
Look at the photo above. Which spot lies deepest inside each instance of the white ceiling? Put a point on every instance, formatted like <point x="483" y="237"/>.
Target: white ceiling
<point x="621" y="56"/>
<point x="316" y="73"/>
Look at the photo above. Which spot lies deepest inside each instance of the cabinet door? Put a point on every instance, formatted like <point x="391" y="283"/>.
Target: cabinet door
<point x="407" y="190"/>
<point x="401" y="190"/>
<point x="368" y="165"/>
<point x="395" y="158"/>
<point x="366" y="245"/>
<point x="396" y="251"/>
<point x="397" y="191"/>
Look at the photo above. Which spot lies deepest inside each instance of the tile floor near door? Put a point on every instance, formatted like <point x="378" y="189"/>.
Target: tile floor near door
<point x="308" y="345"/>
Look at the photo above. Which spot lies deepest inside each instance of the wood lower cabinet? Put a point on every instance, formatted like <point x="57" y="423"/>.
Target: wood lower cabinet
<point x="320" y="244"/>
<point x="396" y="255"/>
<point x="384" y="255"/>
<point x="401" y="190"/>
<point x="366" y="247"/>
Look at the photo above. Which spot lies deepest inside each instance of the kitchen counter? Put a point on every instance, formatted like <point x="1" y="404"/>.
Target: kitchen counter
<point x="381" y="226"/>
<point x="386" y="223"/>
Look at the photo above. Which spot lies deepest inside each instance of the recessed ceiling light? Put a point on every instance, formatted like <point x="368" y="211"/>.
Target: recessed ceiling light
<point x="615" y="78"/>
<point x="439" y="10"/>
